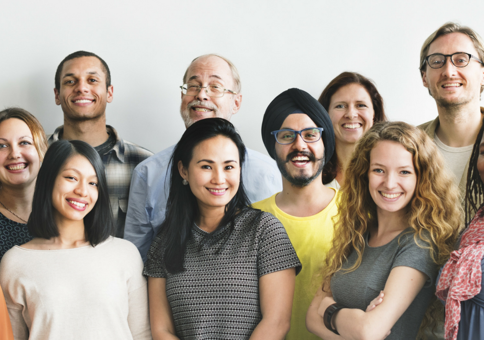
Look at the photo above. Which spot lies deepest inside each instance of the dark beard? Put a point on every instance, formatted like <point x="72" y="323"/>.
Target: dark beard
<point x="299" y="181"/>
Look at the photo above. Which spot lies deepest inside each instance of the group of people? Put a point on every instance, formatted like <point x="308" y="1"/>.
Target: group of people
<point x="354" y="228"/>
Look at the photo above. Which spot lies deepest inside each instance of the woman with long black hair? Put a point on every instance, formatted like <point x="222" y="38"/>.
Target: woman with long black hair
<point x="74" y="280"/>
<point x="217" y="269"/>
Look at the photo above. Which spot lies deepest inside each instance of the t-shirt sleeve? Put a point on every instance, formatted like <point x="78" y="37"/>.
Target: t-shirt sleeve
<point x="155" y="264"/>
<point x="416" y="256"/>
<point x="275" y="251"/>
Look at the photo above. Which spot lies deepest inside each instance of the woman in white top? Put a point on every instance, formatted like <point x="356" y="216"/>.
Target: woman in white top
<point x="74" y="280"/>
<point x="354" y="105"/>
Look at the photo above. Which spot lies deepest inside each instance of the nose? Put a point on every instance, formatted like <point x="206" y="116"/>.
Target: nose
<point x="218" y="176"/>
<point x="81" y="189"/>
<point x="14" y="151"/>
<point x="299" y="143"/>
<point x="81" y="86"/>
<point x="449" y="70"/>
<point x="351" y="112"/>
<point x="391" y="181"/>
<point x="202" y="94"/>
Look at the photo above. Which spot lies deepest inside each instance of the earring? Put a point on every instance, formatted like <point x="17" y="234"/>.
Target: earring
<point x="185" y="182"/>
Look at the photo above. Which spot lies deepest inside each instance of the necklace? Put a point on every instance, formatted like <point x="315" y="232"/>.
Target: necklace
<point x="14" y="214"/>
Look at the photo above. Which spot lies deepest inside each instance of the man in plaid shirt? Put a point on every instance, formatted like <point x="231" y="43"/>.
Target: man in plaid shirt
<point x="82" y="89"/>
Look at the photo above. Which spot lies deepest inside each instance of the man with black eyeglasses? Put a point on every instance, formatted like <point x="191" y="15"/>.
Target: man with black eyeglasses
<point x="211" y="88"/>
<point x="452" y="69"/>
<point x="298" y="133"/>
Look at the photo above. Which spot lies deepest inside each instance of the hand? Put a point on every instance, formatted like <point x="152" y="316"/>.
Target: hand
<point x="375" y="302"/>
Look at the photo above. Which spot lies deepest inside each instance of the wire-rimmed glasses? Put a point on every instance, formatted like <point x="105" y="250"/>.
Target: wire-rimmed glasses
<point x="214" y="90"/>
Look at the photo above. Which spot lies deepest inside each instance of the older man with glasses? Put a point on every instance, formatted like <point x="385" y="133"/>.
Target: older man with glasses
<point x="298" y="134"/>
<point x="211" y="88"/>
<point x="451" y="68"/>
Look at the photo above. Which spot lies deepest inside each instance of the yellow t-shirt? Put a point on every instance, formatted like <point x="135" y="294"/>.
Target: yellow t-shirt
<point x="311" y="238"/>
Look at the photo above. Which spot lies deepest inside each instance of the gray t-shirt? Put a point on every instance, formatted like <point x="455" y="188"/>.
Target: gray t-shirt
<point x="358" y="288"/>
<point x="217" y="296"/>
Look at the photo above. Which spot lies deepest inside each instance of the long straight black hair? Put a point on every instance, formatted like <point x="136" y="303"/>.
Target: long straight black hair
<point x="182" y="207"/>
<point x="98" y="223"/>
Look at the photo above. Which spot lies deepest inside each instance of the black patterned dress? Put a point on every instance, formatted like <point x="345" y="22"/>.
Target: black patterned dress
<point x="217" y="296"/>
<point x="12" y="234"/>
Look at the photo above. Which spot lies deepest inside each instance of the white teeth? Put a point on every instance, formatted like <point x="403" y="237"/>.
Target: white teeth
<point x="390" y="195"/>
<point x="352" y="126"/>
<point x="77" y="204"/>
<point x="17" y="167"/>
<point x="83" y="101"/>
<point x="300" y="158"/>
<point x="451" y="85"/>
<point x="217" y="190"/>
<point x="199" y="109"/>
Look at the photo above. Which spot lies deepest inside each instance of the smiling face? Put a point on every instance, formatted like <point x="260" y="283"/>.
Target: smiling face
<point x="83" y="94"/>
<point x="205" y="71"/>
<point x="392" y="178"/>
<point x="300" y="162"/>
<point x="453" y="86"/>
<point x="18" y="156"/>
<point x="75" y="191"/>
<point x="213" y="173"/>
<point x="351" y="112"/>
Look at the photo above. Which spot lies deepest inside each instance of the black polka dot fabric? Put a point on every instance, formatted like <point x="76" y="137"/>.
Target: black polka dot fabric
<point x="12" y="234"/>
<point x="217" y="296"/>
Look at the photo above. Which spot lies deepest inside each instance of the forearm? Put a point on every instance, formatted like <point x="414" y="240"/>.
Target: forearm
<point x="355" y="324"/>
<point x="163" y="335"/>
<point x="276" y="293"/>
<point x="161" y="319"/>
<point x="271" y="330"/>
<point x="315" y="322"/>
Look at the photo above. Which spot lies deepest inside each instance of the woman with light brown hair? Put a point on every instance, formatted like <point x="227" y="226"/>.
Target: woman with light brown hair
<point x="22" y="148"/>
<point x="354" y="105"/>
<point x="399" y="216"/>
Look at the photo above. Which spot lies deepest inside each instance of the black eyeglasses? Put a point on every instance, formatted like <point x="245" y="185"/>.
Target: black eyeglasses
<point x="459" y="59"/>
<point x="288" y="136"/>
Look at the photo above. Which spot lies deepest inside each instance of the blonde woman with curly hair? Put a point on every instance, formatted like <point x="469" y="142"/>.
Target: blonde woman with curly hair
<point x="399" y="216"/>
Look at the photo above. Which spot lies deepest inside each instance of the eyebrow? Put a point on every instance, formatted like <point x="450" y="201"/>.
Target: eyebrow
<point x="400" y="167"/>
<point x="212" y="76"/>
<point x="18" y="138"/>
<point x="72" y="74"/>
<point x="288" y="128"/>
<point x="212" y="162"/>
<point x="79" y="172"/>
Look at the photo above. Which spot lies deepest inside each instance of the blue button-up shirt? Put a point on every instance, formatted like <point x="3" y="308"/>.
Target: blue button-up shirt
<point x="150" y="187"/>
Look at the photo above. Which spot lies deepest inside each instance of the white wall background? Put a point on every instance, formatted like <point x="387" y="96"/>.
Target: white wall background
<point x="275" y="45"/>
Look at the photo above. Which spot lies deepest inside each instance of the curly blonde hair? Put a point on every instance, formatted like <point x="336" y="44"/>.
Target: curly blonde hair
<point x="434" y="212"/>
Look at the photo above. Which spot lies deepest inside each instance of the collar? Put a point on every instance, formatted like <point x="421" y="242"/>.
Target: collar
<point x="118" y="149"/>
<point x="432" y="127"/>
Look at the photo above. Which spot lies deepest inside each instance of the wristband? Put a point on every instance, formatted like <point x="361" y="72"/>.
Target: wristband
<point x="328" y="316"/>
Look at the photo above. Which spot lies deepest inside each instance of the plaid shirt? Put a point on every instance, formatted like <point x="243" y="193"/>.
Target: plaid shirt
<point x="119" y="163"/>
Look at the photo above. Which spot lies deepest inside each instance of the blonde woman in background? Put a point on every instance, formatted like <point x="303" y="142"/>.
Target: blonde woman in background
<point x="22" y="148"/>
